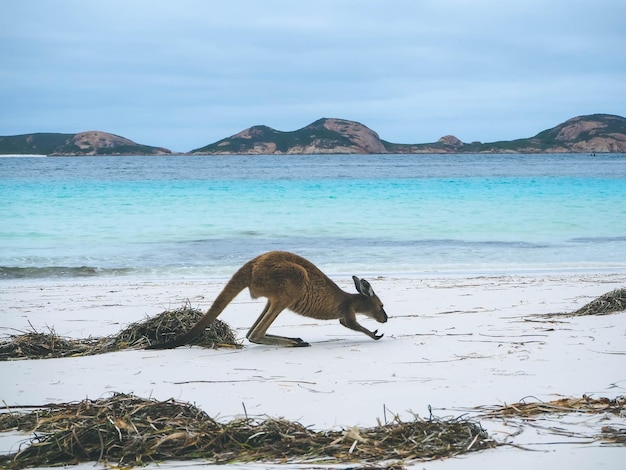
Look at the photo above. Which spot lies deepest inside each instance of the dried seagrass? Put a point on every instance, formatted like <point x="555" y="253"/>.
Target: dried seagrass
<point x="530" y="412"/>
<point x="127" y="430"/>
<point x="614" y="435"/>
<point x="611" y="302"/>
<point x="585" y="404"/>
<point x="42" y="345"/>
<point x="169" y="324"/>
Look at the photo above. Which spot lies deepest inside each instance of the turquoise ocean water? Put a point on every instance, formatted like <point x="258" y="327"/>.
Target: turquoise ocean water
<point x="374" y="214"/>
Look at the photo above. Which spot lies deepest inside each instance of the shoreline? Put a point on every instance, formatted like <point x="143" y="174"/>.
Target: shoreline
<point x="91" y="274"/>
<point x="452" y="342"/>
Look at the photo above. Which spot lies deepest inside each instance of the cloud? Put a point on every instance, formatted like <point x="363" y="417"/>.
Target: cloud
<point x="183" y="74"/>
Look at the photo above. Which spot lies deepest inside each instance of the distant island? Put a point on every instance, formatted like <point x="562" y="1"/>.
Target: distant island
<point x="595" y="133"/>
<point x="82" y="144"/>
<point x="583" y="134"/>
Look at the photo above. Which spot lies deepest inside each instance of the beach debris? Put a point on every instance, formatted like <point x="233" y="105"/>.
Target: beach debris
<point x="585" y="404"/>
<point x="165" y="326"/>
<point x="614" y="435"/>
<point x="611" y="302"/>
<point x="558" y="417"/>
<point x="169" y="325"/>
<point x="36" y="345"/>
<point x="128" y="430"/>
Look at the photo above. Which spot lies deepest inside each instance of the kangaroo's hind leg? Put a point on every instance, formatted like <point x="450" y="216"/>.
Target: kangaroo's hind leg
<point x="257" y="334"/>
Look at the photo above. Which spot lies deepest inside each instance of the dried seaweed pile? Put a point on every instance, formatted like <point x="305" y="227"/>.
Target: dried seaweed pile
<point x="167" y="325"/>
<point x="611" y="302"/>
<point x="585" y="404"/>
<point x="41" y="345"/>
<point x="613" y="435"/>
<point x="132" y="431"/>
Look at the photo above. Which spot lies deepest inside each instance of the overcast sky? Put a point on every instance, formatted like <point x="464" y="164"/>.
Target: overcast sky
<point x="185" y="73"/>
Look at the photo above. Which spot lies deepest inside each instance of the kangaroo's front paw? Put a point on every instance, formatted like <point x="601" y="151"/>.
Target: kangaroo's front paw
<point x="377" y="337"/>
<point x="298" y="343"/>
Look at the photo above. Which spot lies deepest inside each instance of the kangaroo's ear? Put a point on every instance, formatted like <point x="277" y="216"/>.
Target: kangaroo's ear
<point x="363" y="287"/>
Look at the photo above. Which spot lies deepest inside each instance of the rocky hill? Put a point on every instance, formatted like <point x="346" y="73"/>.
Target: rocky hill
<point x="583" y="134"/>
<point x="594" y="133"/>
<point x="83" y="143"/>
<point x="322" y="136"/>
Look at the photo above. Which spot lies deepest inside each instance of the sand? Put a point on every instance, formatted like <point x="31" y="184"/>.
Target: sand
<point x="454" y="343"/>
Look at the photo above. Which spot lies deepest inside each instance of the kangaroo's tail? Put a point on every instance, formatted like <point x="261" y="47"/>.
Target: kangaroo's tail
<point x="239" y="281"/>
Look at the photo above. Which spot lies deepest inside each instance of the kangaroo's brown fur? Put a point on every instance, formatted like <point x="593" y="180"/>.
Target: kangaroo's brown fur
<point x="291" y="282"/>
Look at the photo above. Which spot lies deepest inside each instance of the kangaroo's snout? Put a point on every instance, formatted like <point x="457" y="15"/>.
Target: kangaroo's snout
<point x="382" y="318"/>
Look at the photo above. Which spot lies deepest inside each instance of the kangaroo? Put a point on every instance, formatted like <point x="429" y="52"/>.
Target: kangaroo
<point x="289" y="281"/>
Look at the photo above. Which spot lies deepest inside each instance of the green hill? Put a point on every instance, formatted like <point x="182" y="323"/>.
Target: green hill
<point x="83" y="143"/>
<point x="322" y="136"/>
<point x="38" y="144"/>
<point x="582" y="134"/>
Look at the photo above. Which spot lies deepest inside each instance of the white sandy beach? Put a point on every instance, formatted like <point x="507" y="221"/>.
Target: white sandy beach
<point x="454" y="343"/>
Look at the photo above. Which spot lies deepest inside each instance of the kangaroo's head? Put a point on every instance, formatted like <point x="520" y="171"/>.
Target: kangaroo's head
<point x="374" y="307"/>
